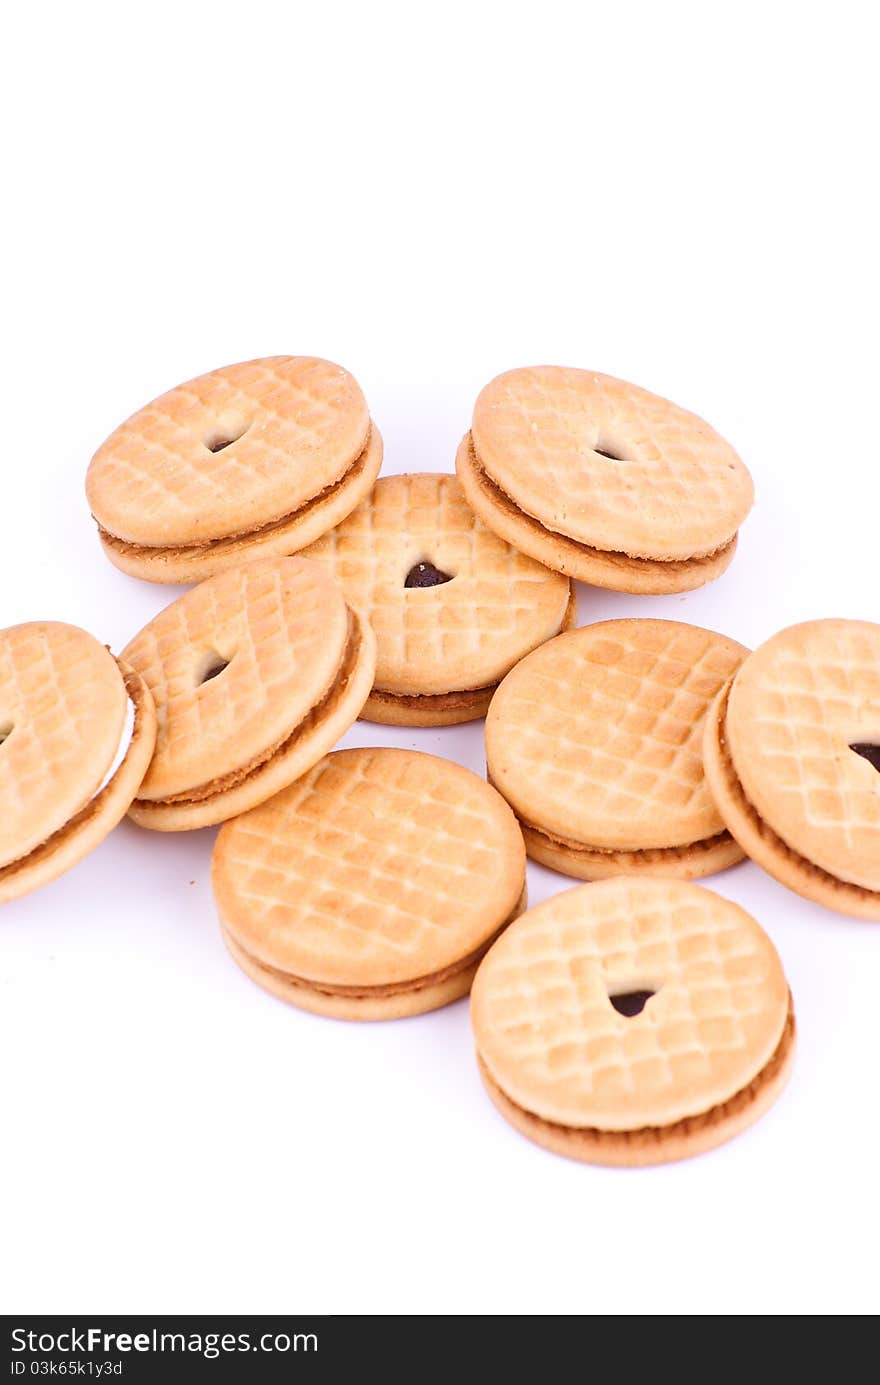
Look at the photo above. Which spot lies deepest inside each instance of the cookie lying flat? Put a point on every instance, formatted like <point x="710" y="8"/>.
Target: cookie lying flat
<point x="595" y="740"/>
<point x="255" y="675"/>
<point x="633" y="1022"/>
<point x="792" y="755"/>
<point x="253" y="460"/>
<point x="604" y="481"/>
<point x="77" y="730"/>
<point x="371" y="888"/>
<point x="452" y="606"/>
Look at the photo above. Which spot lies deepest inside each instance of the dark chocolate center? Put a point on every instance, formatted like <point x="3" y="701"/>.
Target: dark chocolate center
<point x="426" y="575"/>
<point x="225" y="437"/>
<point x="868" y="752"/>
<point x="5" y="731"/>
<point x="630" y="1003"/>
<point x="612" y="456"/>
<point x="213" y="669"/>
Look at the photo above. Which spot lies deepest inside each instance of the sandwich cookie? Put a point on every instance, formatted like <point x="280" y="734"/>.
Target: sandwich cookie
<point x="792" y="755"/>
<point x="453" y="607"/>
<point x="77" y="730"/>
<point x="255" y="675"/>
<point x="253" y="460"/>
<point x="371" y="888"/>
<point x="633" y="1022"/>
<point x="604" y="481"/>
<point x="595" y="740"/>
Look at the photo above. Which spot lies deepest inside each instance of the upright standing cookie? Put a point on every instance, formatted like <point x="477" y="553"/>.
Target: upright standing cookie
<point x="604" y="481"/>
<point x="255" y="675"/>
<point x="792" y="753"/>
<point x="633" y="1022"/>
<point x="452" y="606"/>
<point x="372" y="887"/>
<point x="253" y="460"/>
<point x="77" y="730"/>
<point x="595" y="740"/>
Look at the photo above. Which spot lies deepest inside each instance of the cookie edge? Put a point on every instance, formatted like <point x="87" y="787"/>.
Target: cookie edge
<point x="178" y="565"/>
<point x="758" y="839"/>
<point x="598" y="568"/>
<point x="283" y="767"/>
<point x="652" y="1145"/>
<point x="405" y="1001"/>
<point x="85" y="831"/>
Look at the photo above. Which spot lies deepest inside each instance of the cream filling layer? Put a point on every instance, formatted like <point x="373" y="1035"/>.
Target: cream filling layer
<point x="121" y="749"/>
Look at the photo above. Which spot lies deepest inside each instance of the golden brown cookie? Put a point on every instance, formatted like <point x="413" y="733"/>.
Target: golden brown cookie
<point x="255" y="673"/>
<point x="371" y="888"/>
<point x="252" y="460"/>
<point x="603" y="481"/>
<point x="792" y="755"/>
<point x="77" y="730"/>
<point x="633" y="1022"/>
<point x="595" y="740"/>
<point x="452" y="606"/>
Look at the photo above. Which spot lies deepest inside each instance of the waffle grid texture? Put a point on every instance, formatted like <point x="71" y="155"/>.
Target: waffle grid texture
<point x="550" y="1038"/>
<point x="672" y="488"/>
<point x="296" y="424"/>
<point x="62" y="712"/>
<point x="597" y="735"/>
<point x="378" y="866"/>
<point x="100" y="812"/>
<point x="757" y="838"/>
<point x="596" y="566"/>
<point x="462" y="634"/>
<point x="281" y="626"/>
<point x="796" y="707"/>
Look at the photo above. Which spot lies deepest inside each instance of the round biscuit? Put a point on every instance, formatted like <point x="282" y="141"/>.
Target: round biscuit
<point x="794" y="785"/>
<point x="71" y="842"/>
<point x="228" y="452"/>
<point x="378" y="869"/>
<point x="715" y="1008"/>
<point x="797" y="707"/>
<point x="609" y="464"/>
<point x="63" y="700"/>
<point x="595" y="740"/>
<point x="62" y="713"/>
<point x="244" y="670"/>
<point x="615" y="571"/>
<point x="195" y="562"/>
<point x="312" y="738"/>
<point x="460" y="635"/>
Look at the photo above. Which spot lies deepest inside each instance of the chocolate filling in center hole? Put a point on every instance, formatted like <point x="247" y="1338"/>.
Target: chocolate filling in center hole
<point x="214" y="666"/>
<point x="5" y="731"/>
<point x="426" y="575"/>
<point x="224" y="437"/>
<point x="869" y="752"/>
<point x="630" y="1003"/>
<point x="605" y="452"/>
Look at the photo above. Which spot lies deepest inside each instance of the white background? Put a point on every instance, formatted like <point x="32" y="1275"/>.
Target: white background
<point x="678" y="194"/>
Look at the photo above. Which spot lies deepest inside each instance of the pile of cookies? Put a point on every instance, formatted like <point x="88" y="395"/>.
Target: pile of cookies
<point x="634" y="1019"/>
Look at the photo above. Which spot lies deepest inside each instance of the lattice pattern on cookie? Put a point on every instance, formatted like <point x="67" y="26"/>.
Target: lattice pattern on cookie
<point x="302" y="423"/>
<point x="673" y="488"/>
<point x="546" y="1028"/>
<point x="805" y="697"/>
<point x="62" y="706"/>
<point x="464" y="633"/>
<point x="376" y="866"/>
<point x="279" y="624"/>
<point x="598" y="735"/>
